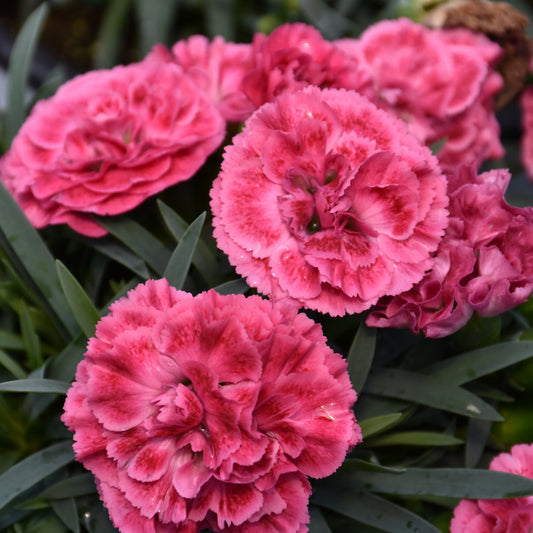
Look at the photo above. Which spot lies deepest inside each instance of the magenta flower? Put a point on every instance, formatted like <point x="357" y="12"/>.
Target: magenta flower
<point x="218" y="68"/>
<point x="514" y="515"/>
<point x="526" y="153"/>
<point x="209" y="412"/>
<point x="295" y="56"/>
<point x="329" y="202"/>
<point x="440" y="82"/>
<point x="108" y="140"/>
<point x="484" y="263"/>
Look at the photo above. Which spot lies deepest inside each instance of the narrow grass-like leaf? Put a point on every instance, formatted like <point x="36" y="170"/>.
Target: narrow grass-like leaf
<point x="83" y="309"/>
<point x="51" y="386"/>
<point x="450" y="482"/>
<point x="361" y="355"/>
<point x="235" y="286"/>
<point x="472" y="365"/>
<point x="220" y="18"/>
<point x="350" y="500"/>
<point x="139" y="240"/>
<point x="477" y="434"/>
<point x="122" y="255"/>
<point x="33" y="469"/>
<point x="180" y="261"/>
<point x="74" y="486"/>
<point x="203" y="259"/>
<point x="63" y="366"/>
<point x="415" y="438"/>
<point x="49" y="87"/>
<point x="318" y="523"/>
<point x="111" y="34"/>
<point x="484" y="390"/>
<point x="330" y="23"/>
<point x="11" y="365"/>
<point x="376" y="424"/>
<point x="352" y="465"/>
<point x="371" y="406"/>
<point x="429" y="391"/>
<point x="10" y="340"/>
<point x="33" y="262"/>
<point x="34" y="504"/>
<point x="11" y="518"/>
<point x="30" y="339"/>
<point x="96" y="519"/>
<point x="19" y="68"/>
<point x="67" y="512"/>
<point x="155" y="24"/>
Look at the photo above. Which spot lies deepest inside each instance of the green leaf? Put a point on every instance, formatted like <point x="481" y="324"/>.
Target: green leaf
<point x="347" y="498"/>
<point x="33" y="469"/>
<point x="415" y="438"/>
<point x="361" y="355"/>
<point x="203" y="258"/>
<point x="122" y="255"/>
<point x="376" y="424"/>
<point x="139" y="240"/>
<point x="180" y="261"/>
<point x="111" y="34"/>
<point x="330" y="23"/>
<point x="63" y="366"/>
<point x="220" y="15"/>
<point x="11" y="340"/>
<point x="67" y="512"/>
<point x="43" y="385"/>
<point x="96" y="519"/>
<point x="155" y="24"/>
<point x="33" y="262"/>
<point x="472" y="365"/>
<point x="51" y="84"/>
<point x="318" y="523"/>
<point x="19" y="68"/>
<point x="74" y="486"/>
<point x="352" y="465"/>
<point x="30" y="339"/>
<point x="429" y="391"/>
<point x="450" y="482"/>
<point x="11" y="365"/>
<point x="44" y="523"/>
<point x="83" y="309"/>
<point x="235" y="286"/>
<point x="477" y="434"/>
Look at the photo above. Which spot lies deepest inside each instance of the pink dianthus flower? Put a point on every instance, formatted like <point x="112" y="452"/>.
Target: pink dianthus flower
<point x="513" y="515"/>
<point x="484" y="262"/>
<point x="295" y="56"/>
<point x="106" y="141"/>
<point x="440" y="82"/>
<point x="526" y="153"/>
<point x="217" y="67"/>
<point x="209" y="412"/>
<point x="329" y="202"/>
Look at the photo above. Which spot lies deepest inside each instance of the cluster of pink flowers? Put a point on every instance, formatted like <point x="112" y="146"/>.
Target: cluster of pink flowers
<point x="484" y="262"/>
<point x="440" y="82"/>
<point x="514" y="515"/>
<point x="109" y="139"/>
<point x="213" y="411"/>
<point x="209" y="411"/>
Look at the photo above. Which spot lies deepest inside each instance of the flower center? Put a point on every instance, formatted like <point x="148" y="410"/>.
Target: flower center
<point x="180" y="407"/>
